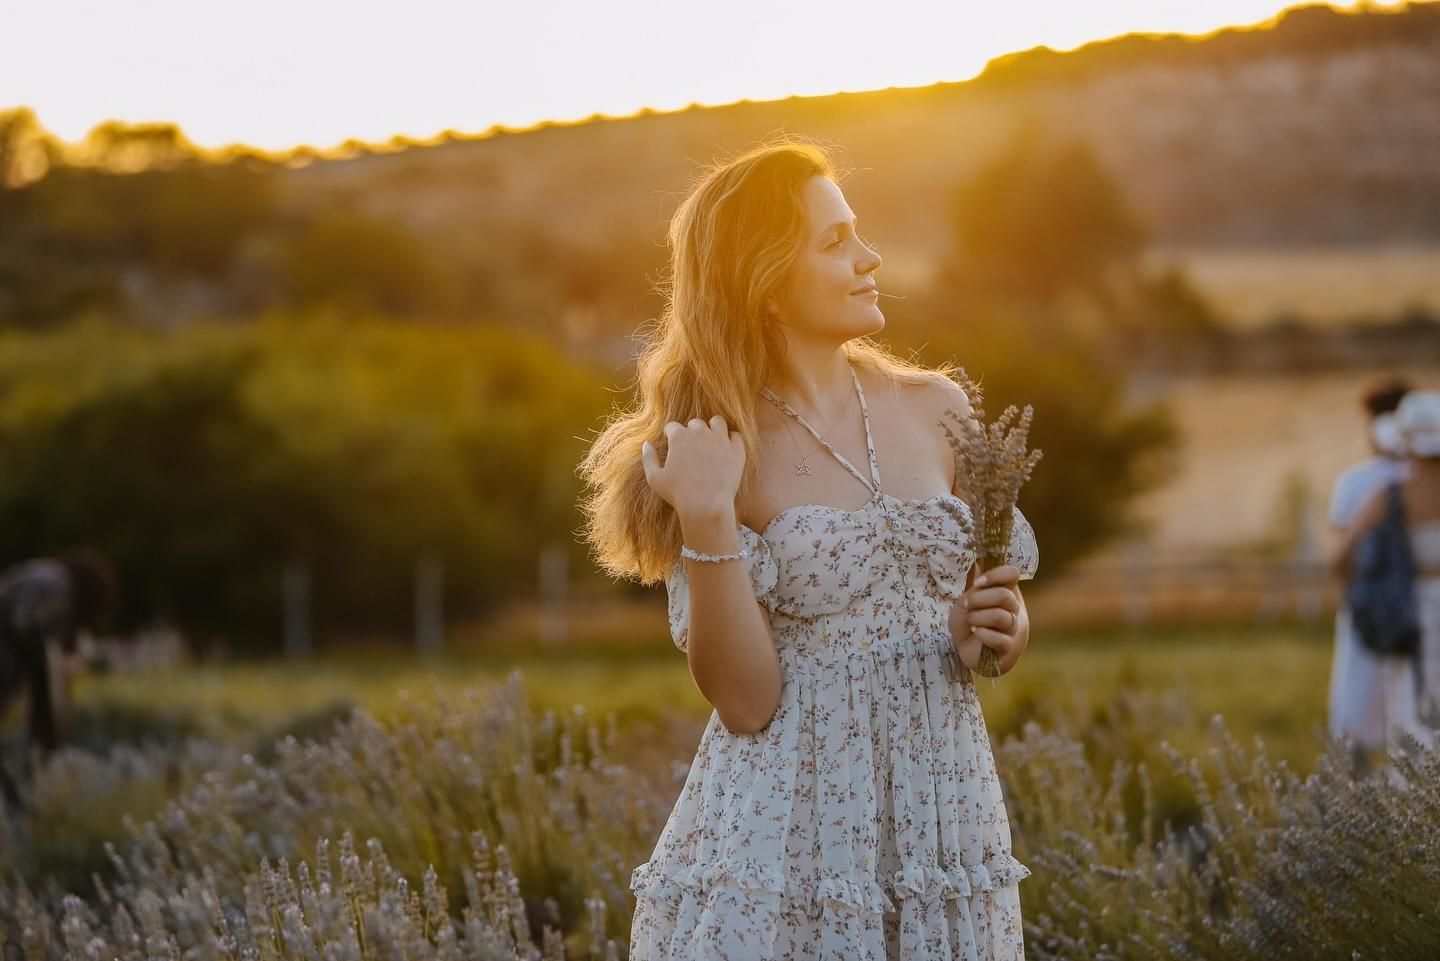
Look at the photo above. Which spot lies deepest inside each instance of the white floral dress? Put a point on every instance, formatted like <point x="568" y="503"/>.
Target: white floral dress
<point x="865" y="821"/>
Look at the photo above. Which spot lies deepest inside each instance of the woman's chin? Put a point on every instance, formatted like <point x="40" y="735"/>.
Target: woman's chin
<point x="871" y="321"/>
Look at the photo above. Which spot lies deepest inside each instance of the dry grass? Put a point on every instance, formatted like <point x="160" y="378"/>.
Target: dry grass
<point x="1252" y="286"/>
<point x="1249" y="441"/>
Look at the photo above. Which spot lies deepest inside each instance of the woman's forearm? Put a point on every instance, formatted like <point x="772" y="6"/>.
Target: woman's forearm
<point x="1343" y="552"/>
<point x="1022" y="630"/>
<point x="730" y="648"/>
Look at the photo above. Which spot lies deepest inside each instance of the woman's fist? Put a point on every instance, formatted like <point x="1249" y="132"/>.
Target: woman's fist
<point x="704" y="461"/>
<point x="989" y="614"/>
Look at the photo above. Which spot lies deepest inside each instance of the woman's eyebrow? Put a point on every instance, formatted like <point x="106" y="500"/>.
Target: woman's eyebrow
<point x="838" y="223"/>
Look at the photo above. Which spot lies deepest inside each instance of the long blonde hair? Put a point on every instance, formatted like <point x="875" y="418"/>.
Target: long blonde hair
<point x="733" y="240"/>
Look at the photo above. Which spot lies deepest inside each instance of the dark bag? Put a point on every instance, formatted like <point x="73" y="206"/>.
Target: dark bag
<point x="1381" y="593"/>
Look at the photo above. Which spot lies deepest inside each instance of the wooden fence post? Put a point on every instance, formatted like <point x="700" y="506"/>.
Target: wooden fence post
<point x="296" y="592"/>
<point x="429" y="605"/>
<point x="554" y="578"/>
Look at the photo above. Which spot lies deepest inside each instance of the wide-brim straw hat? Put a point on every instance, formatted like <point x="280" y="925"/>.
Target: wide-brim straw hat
<point x="1418" y="418"/>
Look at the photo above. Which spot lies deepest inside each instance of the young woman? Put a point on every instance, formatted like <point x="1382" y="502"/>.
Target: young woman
<point x="790" y="482"/>
<point x="1413" y="696"/>
<point x="1360" y="704"/>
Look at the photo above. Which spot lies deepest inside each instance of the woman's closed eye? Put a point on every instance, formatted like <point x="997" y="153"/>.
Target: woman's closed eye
<point x="841" y="243"/>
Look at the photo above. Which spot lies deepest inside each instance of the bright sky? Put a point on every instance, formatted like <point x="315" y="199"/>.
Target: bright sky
<point x="278" y="73"/>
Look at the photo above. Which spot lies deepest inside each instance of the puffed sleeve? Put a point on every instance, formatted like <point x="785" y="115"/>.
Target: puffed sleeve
<point x="759" y="564"/>
<point x="1024" y="552"/>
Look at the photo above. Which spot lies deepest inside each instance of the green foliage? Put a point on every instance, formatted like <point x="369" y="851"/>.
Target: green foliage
<point x="1038" y="222"/>
<point x="205" y="462"/>
<point x="147" y="214"/>
<point x="1101" y="451"/>
<point x="362" y="265"/>
<point x="1043" y="301"/>
<point x="183" y="222"/>
<point x="27" y="150"/>
<point x="80" y="239"/>
<point x="172" y="475"/>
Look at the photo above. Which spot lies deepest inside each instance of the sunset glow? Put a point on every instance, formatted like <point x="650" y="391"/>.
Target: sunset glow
<point x="275" y="74"/>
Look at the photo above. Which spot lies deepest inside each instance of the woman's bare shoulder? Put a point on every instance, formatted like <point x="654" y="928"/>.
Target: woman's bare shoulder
<point x="934" y="395"/>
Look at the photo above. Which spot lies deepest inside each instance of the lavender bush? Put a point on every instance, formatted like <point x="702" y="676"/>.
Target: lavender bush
<point x="481" y="828"/>
<point x="444" y="781"/>
<point x="1324" y="867"/>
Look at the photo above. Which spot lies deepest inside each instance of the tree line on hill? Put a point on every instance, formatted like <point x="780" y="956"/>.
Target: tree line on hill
<point x="356" y="409"/>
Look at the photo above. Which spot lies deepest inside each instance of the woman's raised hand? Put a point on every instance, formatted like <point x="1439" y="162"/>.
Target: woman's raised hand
<point x="703" y="466"/>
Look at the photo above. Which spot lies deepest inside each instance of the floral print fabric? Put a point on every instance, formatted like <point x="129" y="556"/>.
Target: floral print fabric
<point x="866" y="820"/>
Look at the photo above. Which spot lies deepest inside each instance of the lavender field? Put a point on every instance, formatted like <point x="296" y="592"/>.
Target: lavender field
<point x="1172" y="795"/>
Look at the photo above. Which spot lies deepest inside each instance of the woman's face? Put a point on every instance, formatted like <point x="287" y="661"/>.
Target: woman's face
<point x="819" y="297"/>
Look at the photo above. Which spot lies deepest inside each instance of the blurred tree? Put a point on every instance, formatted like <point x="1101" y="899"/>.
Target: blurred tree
<point x="205" y="461"/>
<point x="82" y="237"/>
<point x="27" y="150"/>
<point x="1101" y="451"/>
<point x="200" y="215"/>
<point x="353" y="147"/>
<point x="129" y="148"/>
<point x="1040" y="221"/>
<point x="366" y="266"/>
<point x="1044" y="230"/>
<point x="1044" y="300"/>
<point x="168" y="472"/>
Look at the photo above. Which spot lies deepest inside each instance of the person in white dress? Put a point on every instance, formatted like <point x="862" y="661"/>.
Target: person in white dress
<point x="1419" y="418"/>
<point x="843" y="802"/>
<point x="1359" y="708"/>
<point x="1412" y="690"/>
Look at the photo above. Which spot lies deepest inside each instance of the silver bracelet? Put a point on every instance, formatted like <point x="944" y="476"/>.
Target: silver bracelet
<point x="695" y="555"/>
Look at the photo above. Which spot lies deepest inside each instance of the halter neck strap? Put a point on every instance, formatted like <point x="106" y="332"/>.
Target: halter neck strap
<point x="873" y="484"/>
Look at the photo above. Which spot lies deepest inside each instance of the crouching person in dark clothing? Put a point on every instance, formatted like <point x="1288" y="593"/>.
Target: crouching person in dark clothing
<point x="44" y="604"/>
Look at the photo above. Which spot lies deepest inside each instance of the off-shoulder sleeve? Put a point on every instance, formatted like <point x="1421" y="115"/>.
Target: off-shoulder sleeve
<point x="759" y="564"/>
<point x="1024" y="552"/>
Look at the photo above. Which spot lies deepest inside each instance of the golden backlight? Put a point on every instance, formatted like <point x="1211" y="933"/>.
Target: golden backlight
<point x="278" y="74"/>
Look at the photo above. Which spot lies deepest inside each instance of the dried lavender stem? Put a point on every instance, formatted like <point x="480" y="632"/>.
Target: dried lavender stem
<point x="991" y="464"/>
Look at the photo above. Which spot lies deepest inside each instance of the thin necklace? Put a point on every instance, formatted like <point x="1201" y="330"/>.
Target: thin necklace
<point x="802" y="469"/>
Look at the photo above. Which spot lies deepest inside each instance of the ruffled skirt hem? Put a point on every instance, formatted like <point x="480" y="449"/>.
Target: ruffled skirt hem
<point x="733" y="912"/>
<point x="927" y="882"/>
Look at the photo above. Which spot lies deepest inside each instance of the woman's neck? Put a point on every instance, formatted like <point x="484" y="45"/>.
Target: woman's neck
<point x="816" y="380"/>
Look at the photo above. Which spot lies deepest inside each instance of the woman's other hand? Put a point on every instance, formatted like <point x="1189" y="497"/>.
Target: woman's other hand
<point x="991" y="613"/>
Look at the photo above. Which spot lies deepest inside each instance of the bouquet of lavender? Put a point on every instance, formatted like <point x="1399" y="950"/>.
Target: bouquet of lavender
<point x="992" y="461"/>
